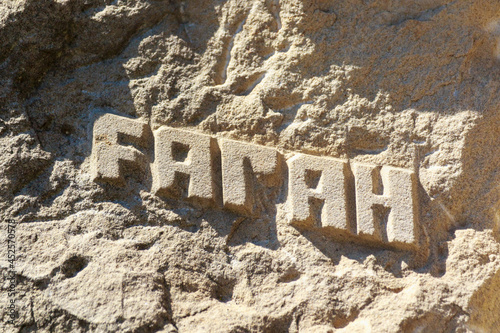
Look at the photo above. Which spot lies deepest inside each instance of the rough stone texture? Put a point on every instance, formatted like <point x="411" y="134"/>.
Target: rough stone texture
<point x="406" y="84"/>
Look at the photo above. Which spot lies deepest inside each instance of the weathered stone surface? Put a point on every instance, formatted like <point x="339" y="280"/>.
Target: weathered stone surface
<point x="250" y="166"/>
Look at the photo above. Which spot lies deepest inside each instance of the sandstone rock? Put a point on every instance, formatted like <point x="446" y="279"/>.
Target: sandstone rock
<point x="250" y="166"/>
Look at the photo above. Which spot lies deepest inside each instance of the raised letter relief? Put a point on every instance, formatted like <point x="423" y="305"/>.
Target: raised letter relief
<point x="386" y="206"/>
<point x="184" y="165"/>
<point x="374" y="203"/>
<point x="241" y="162"/>
<point x="318" y="192"/>
<point x="110" y="160"/>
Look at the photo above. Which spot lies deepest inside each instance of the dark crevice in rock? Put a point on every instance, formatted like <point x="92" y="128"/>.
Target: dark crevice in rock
<point x="72" y="266"/>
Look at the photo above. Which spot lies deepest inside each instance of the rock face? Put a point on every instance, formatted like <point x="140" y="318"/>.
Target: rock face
<point x="250" y="166"/>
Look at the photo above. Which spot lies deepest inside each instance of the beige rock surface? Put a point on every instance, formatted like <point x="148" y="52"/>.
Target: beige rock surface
<point x="411" y="85"/>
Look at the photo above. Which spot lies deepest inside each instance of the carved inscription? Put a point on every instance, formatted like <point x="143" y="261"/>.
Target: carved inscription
<point x="241" y="163"/>
<point x="183" y="161"/>
<point x="385" y="202"/>
<point x="376" y="203"/>
<point x="318" y="192"/>
<point x="111" y="159"/>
